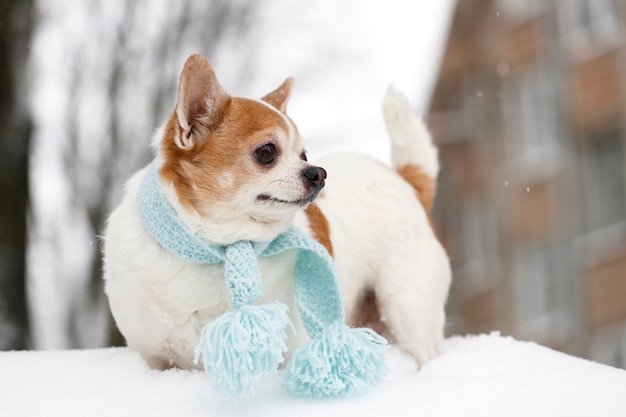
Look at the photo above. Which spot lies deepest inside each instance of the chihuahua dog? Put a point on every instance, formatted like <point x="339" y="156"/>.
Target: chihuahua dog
<point x="236" y="169"/>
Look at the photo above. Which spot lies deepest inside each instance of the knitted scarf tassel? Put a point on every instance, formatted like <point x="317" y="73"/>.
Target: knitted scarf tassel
<point x="338" y="361"/>
<point x="241" y="347"/>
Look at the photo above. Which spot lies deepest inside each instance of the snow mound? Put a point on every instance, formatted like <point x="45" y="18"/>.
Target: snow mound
<point x="477" y="376"/>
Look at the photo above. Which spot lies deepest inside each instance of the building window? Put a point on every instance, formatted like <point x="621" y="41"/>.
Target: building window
<point x="534" y="292"/>
<point x="473" y="240"/>
<point x="609" y="345"/>
<point x="476" y="263"/>
<point x="520" y="10"/>
<point x="589" y="24"/>
<point x="531" y="123"/>
<point x="605" y="200"/>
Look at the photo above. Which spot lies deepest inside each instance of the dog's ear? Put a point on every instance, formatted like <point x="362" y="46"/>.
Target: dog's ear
<point x="279" y="97"/>
<point x="201" y="102"/>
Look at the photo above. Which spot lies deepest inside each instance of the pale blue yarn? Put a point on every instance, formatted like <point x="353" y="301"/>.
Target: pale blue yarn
<point x="241" y="347"/>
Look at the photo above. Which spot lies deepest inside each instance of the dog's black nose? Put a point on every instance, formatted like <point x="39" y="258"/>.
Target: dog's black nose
<point x="315" y="176"/>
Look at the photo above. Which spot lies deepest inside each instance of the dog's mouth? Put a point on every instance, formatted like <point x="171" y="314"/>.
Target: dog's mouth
<point x="266" y="198"/>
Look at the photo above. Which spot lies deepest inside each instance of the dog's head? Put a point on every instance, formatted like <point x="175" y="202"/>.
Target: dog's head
<point x="239" y="164"/>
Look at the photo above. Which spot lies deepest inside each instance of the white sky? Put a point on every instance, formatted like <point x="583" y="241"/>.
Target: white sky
<point x="343" y="55"/>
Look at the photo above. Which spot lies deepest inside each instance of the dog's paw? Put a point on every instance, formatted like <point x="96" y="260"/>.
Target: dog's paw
<point x="427" y="350"/>
<point x="423" y="342"/>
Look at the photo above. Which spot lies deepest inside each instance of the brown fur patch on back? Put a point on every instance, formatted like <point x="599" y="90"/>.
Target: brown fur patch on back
<point x="424" y="185"/>
<point x="319" y="226"/>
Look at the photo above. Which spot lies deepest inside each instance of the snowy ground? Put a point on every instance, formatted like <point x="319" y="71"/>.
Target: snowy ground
<point x="486" y="375"/>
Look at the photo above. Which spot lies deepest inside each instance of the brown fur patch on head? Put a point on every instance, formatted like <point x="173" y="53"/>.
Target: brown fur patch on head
<point x="424" y="185"/>
<point x="319" y="226"/>
<point x="212" y="169"/>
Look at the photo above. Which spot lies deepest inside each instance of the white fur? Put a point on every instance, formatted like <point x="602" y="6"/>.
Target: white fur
<point x="162" y="317"/>
<point x="379" y="231"/>
<point x="382" y="240"/>
<point x="410" y="138"/>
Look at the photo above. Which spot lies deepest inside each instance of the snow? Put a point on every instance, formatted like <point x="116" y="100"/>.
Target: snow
<point x="476" y="376"/>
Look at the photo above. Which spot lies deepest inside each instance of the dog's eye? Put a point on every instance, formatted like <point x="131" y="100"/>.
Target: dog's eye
<point x="266" y="154"/>
<point x="303" y="156"/>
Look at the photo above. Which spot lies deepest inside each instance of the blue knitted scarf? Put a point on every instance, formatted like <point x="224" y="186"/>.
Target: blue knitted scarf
<point x="247" y="343"/>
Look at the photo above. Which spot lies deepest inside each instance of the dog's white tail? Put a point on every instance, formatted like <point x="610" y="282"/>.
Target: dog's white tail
<point x="412" y="151"/>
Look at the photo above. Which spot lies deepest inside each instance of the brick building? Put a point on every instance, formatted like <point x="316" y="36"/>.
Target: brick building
<point x="529" y="111"/>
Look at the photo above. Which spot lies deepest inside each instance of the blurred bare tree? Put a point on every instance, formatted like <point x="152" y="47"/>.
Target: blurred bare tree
<point x="15" y="132"/>
<point x="121" y="80"/>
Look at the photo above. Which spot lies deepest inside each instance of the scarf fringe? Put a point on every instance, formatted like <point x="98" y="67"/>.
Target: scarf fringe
<point x="239" y="348"/>
<point x="340" y="362"/>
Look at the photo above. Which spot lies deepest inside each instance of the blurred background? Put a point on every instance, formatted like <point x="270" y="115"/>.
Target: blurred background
<point x="525" y="99"/>
<point x="529" y="110"/>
